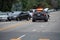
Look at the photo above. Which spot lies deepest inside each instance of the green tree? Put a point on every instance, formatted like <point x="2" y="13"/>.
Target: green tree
<point x="58" y="4"/>
<point x="30" y="4"/>
<point x="6" y="5"/>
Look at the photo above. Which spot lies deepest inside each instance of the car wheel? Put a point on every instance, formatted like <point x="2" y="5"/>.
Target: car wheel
<point x="28" y="19"/>
<point x="9" y="19"/>
<point x="17" y="19"/>
<point x="20" y="19"/>
<point x="48" y="16"/>
<point x="33" y="20"/>
<point x="46" y="20"/>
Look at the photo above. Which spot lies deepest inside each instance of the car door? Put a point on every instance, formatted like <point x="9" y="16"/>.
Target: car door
<point x="23" y="15"/>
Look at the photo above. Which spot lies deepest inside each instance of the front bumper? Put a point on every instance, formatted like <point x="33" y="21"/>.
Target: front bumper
<point x="12" y="18"/>
<point x="3" y="19"/>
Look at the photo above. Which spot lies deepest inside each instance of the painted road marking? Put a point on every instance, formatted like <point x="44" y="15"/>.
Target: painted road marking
<point x="15" y="25"/>
<point x="44" y="39"/>
<point x="12" y="26"/>
<point x="19" y="38"/>
<point x="15" y="39"/>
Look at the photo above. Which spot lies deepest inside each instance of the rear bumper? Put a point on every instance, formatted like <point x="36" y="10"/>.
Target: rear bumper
<point x="40" y="18"/>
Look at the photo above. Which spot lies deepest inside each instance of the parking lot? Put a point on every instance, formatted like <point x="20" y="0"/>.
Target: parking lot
<point x="28" y="30"/>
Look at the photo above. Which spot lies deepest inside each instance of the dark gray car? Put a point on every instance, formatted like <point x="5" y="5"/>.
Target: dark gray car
<point x="40" y="16"/>
<point x="20" y="16"/>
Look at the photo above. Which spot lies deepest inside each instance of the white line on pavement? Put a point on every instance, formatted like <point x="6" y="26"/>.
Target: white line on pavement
<point x="21" y="36"/>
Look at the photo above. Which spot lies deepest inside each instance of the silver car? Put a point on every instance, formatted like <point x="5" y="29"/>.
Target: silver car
<point x="3" y="16"/>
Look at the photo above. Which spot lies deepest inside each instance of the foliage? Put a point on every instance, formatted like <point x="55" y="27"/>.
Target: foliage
<point x="6" y="5"/>
<point x="29" y="4"/>
<point x="59" y="4"/>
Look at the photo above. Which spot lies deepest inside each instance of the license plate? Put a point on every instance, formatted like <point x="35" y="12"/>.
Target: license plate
<point x="38" y="14"/>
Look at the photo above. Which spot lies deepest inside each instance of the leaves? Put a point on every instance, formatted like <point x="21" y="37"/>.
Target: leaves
<point x="30" y="4"/>
<point x="6" y="5"/>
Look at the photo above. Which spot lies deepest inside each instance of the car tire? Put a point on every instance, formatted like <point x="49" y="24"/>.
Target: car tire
<point x="48" y="16"/>
<point x="9" y="20"/>
<point x="17" y="19"/>
<point x="33" y="20"/>
<point x="46" y="20"/>
<point x="28" y="19"/>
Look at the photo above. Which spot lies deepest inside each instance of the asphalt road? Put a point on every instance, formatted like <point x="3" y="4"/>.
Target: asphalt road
<point x="28" y="30"/>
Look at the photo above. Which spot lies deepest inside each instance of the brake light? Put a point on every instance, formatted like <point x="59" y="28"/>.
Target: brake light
<point x="44" y="14"/>
<point x="33" y="14"/>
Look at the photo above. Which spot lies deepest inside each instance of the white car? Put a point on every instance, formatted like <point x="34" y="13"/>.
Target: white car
<point x="14" y="12"/>
<point x="3" y="16"/>
<point x="31" y="13"/>
<point x="46" y="9"/>
<point x="51" y="10"/>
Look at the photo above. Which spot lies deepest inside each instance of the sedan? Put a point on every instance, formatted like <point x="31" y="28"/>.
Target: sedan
<point x="20" y="16"/>
<point x="4" y="16"/>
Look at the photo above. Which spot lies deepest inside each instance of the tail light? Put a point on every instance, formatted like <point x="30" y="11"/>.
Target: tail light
<point x="33" y="14"/>
<point x="44" y="14"/>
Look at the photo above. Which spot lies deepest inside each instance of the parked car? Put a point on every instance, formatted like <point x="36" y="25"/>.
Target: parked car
<point x="4" y="16"/>
<point x="13" y="14"/>
<point x="30" y="13"/>
<point x="20" y="16"/>
<point x="51" y="10"/>
<point x="40" y="16"/>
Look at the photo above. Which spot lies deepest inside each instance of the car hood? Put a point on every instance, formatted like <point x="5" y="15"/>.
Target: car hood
<point x="3" y="16"/>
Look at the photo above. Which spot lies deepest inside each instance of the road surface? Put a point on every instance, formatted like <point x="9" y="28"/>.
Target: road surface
<point x="28" y="30"/>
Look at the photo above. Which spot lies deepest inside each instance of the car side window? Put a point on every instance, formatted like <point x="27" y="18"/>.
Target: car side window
<point x="22" y="13"/>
